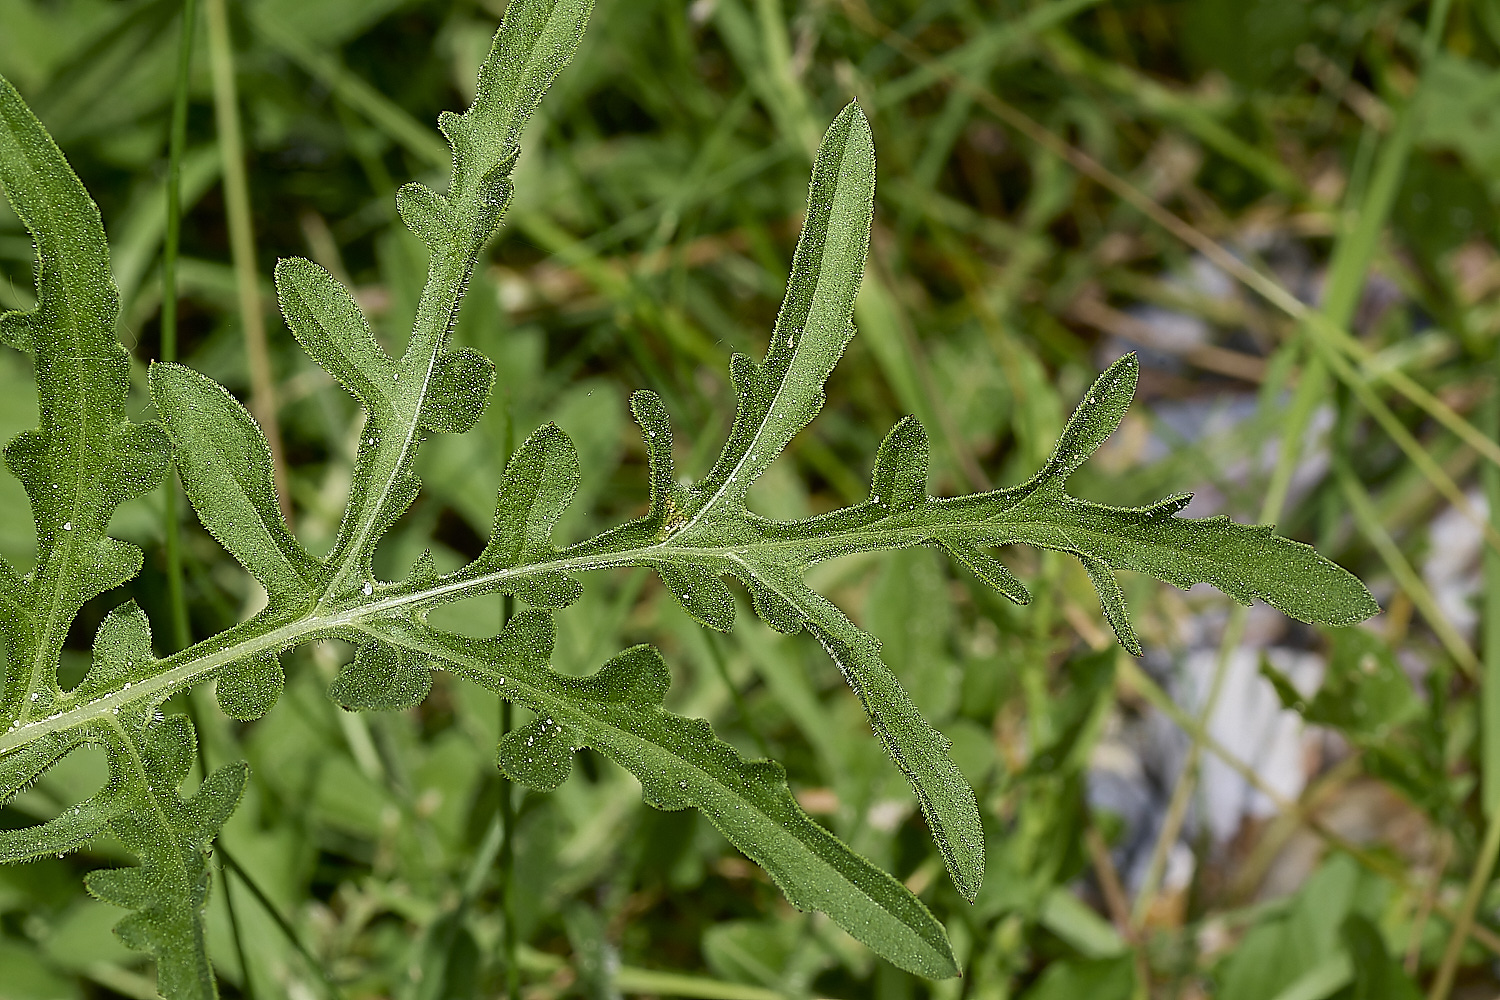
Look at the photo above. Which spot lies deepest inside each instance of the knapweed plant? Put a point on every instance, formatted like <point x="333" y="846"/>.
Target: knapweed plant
<point x="85" y="459"/>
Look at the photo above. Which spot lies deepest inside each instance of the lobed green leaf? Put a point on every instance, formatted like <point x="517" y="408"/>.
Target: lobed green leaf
<point x="680" y="763"/>
<point x="225" y="465"/>
<point x="780" y="395"/>
<point x="85" y="458"/>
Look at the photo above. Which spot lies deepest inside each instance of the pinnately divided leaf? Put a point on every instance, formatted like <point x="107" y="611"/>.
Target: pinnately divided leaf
<point x="680" y="763"/>
<point x="85" y="459"/>
<point x="78" y="466"/>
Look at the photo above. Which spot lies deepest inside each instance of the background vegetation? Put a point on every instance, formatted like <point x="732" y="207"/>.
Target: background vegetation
<point x="1289" y="207"/>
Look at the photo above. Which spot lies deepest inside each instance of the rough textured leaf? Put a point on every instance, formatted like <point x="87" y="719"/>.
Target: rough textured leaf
<point x="78" y="466"/>
<point x="169" y="889"/>
<point x="781" y="394"/>
<point x="776" y="398"/>
<point x="226" y="472"/>
<point x="382" y="678"/>
<point x="530" y="49"/>
<point x="681" y="764"/>
<point x="84" y="459"/>
<point x="323" y="316"/>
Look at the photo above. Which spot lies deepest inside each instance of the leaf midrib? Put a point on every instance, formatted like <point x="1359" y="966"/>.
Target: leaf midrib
<point x="187" y="667"/>
<point x="403" y="456"/>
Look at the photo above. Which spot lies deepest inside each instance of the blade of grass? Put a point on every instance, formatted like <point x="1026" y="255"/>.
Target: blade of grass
<point x="1003" y="41"/>
<point x="200" y="749"/>
<point x="675" y="984"/>
<point x="880" y="316"/>
<point x="242" y="241"/>
<point x="633" y="980"/>
<point x="435" y="961"/>
<point x="177" y="142"/>
<point x="1407" y="578"/>
<point x="1463" y="921"/>
<point x="247" y="981"/>
<point x="1489" y="707"/>
<point x="172" y="238"/>
<point x="1352" y="253"/>
<point x="417" y="138"/>
<point x="760" y="47"/>
<point x="282" y="924"/>
<point x="138" y="240"/>
<point x="1421" y="457"/>
<point x="721" y="664"/>
<point x="1168" y="106"/>
<point x="511" y="940"/>
<point x="1490" y="686"/>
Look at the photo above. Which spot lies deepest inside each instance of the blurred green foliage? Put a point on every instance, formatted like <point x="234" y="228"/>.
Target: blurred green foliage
<point x="648" y="239"/>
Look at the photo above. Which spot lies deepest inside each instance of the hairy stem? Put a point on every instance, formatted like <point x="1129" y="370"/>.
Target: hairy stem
<point x="1012" y="524"/>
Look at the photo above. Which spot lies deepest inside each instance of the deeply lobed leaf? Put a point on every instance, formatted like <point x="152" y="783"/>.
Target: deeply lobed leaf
<point x="85" y="459"/>
<point x="680" y="763"/>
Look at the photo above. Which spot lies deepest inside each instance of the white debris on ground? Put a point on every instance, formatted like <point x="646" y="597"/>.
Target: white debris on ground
<point x="1138" y="762"/>
<point x="1452" y="569"/>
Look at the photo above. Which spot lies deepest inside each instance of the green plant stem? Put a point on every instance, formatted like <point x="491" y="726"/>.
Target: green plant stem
<point x="1489" y="691"/>
<point x="247" y="982"/>
<point x="512" y="941"/>
<point x="605" y="551"/>
<point x="181" y="630"/>
<point x="242" y="241"/>
<point x="1480" y="879"/>
<point x="721" y="663"/>
<point x="201" y="752"/>
<point x="281" y="922"/>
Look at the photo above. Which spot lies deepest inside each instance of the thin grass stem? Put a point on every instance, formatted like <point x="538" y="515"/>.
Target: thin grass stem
<point x="721" y="663"/>
<point x="247" y="981"/>
<point x="247" y="986"/>
<point x="1368" y="520"/>
<point x="1334" y="337"/>
<point x="511" y="940"/>
<point x="1489" y="692"/>
<point x="177" y="142"/>
<point x="282" y="924"/>
<point x="1463" y="923"/>
<point x="1489" y="707"/>
<point x="242" y="241"/>
<point x="1306" y="399"/>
